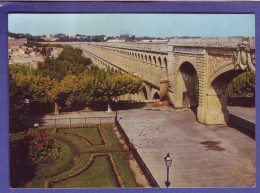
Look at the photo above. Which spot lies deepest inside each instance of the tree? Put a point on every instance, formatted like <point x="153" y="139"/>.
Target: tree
<point x="24" y="85"/>
<point x="100" y="85"/>
<point x="243" y="85"/>
<point x="63" y="75"/>
<point x="70" y="61"/>
<point x="18" y="109"/>
<point x="61" y="91"/>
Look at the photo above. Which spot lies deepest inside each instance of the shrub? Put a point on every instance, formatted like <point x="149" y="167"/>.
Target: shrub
<point x="43" y="149"/>
<point x="22" y="170"/>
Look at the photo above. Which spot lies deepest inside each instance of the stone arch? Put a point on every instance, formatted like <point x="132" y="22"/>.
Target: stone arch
<point x="159" y="61"/>
<point x="154" y="61"/>
<point x="145" y="93"/>
<point x="145" y="58"/>
<point x="186" y="93"/>
<point x="221" y="71"/>
<point x="163" y="78"/>
<point x="165" y="65"/>
<point x="150" y="60"/>
<point x="165" y="62"/>
<point x="156" y="95"/>
<point x="217" y="96"/>
<point x="153" y="92"/>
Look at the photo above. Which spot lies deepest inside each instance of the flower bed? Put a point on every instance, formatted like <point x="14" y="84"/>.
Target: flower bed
<point x="43" y="148"/>
<point x="100" y="163"/>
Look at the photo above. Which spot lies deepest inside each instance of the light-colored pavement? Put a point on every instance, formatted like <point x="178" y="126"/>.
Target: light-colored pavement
<point x="247" y="113"/>
<point x="227" y="161"/>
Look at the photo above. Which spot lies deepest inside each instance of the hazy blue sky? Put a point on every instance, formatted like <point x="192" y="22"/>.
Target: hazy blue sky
<point x="157" y="25"/>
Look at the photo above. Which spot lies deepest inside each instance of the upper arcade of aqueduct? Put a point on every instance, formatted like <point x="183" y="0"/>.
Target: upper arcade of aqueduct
<point x="170" y="69"/>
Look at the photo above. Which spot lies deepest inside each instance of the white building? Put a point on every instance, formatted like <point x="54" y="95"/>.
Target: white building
<point x="116" y="40"/>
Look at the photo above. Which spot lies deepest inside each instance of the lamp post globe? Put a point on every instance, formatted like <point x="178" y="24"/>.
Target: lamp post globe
<point x="168" y="160"/>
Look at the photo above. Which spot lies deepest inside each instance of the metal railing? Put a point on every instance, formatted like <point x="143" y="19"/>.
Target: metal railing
<point x="56" y="122"/>
<point x="72" y="122"/>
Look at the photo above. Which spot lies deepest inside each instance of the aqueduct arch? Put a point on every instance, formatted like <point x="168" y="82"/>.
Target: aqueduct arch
<point x="186" y="82"/>
<point x="155" y="96"/>
<point x="145" y="93"/>
<point x="171" y="68"/>
<point x="217" y="97"/>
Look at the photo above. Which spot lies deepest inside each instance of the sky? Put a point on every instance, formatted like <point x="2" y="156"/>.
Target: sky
<point x="155" y="25"/>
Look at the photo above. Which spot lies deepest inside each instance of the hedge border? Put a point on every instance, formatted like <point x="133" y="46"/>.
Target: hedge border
<point x="118" y="179"/>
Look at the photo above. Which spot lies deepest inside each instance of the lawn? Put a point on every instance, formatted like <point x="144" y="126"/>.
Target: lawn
<point x="90" y="158"/>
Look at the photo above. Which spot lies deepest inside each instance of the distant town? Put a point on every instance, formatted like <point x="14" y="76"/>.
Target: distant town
<point x="26" y="49"/>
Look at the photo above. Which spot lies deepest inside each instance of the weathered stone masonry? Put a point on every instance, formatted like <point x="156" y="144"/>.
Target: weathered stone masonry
<point x="170" y="69"/>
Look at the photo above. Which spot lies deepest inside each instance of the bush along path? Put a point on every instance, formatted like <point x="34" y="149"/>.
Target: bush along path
<point x="88" y="158"/>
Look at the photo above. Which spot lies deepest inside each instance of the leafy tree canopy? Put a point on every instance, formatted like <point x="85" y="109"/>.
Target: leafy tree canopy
<point x="70" y="61"/>
<point x="243" y="85"/>
<point x="69" y="78"/>
<point x="100" y="84"/>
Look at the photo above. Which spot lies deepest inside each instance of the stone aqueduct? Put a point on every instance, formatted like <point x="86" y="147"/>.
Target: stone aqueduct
<point x="171" y="69"/>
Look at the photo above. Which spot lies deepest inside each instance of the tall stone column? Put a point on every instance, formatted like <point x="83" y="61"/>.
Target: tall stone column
<point x="202" y="66"/>
<point x="163" y="83"/>
<point x="212" y="108"/>
<point x="216" y="111"/>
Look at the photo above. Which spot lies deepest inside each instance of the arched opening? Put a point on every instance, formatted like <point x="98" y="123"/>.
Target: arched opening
<point x="187" y="83"/>
<point x="150" y="60"/>
<point x="160" y="61"/>
<point x="144" y="92"/>
<point x="217" y="98"/>
<point x="156" y="96"/>
<point x="165" y="65"/>
<point x="154" y="61"/>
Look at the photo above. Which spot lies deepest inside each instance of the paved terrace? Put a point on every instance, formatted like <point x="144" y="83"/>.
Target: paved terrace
<point x="203" y="156"/>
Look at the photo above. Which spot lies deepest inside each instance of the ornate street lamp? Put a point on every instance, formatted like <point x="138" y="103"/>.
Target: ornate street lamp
<point x="168" y="162"/>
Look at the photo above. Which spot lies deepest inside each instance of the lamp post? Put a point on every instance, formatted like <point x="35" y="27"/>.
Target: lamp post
<point x="168" y="162"/>
<point x="116" y="100"/>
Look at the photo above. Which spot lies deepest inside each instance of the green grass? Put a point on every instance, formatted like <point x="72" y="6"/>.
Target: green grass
<point x="88" y="133"/>
<point x="80" y="164"/>
<point x="61" y="164"/>
<point x="77" y="142"/>
<point x="16" y="136"/>
<point x="98" y="175"/>
<point x="123" y="170"/>
<point x="18" y="133"/>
